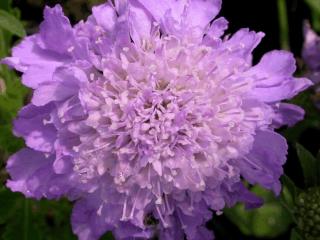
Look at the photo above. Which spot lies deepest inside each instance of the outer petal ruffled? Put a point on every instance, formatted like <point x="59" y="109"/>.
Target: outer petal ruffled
<point x="21" y="166"/>
<point x="31" y="173"/>
<point x="158" y="9"/>
<point x="37" y="64"/>
<point x="128" y="231"/>
<point x="63" y="165"/>
<point x="66" y="82"/>
<point x="140" y="22"/>
<point x="199" y="13"/>
<point x="56" y="32"/>
<point x="311" y="53"/>
<point x="105" y="16"/>
<point x="51" y="92"/>
<point x="243" y="42"/>
<point x="193" y="224"/>
<point x="263" y="165"/>
<point x="239" y="193"/>
<point x="273" y="77"/>
<point x="288" y="114"/>
<point x="102" y="210"/>
<point x="216" y="30"/>
<point x="87" y="221"/>
<point x="33" y="123"/>
<point x="311" y="49"/>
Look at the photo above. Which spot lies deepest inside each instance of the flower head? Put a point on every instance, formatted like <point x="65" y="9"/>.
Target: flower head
<point x="311" y="56"/>
<point x="148" y="118"/>
<point x="311" y="52"/>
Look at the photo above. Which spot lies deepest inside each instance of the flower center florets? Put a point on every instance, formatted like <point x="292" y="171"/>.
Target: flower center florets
<point x="160" y="110"/>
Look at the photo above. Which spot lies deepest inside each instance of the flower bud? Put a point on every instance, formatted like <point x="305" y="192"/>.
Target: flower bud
<point x="307" y="213"/>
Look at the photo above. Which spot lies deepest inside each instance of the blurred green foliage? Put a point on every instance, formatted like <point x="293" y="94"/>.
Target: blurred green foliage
<point x="315" y="12"/>
<point x="76" y="9"/>
<point x="11" y="24"/>
<point x="13" y="93"/>
<point x="26" y="219"/>
<point x="268" y="221"/>
<point x="278" y="215"/>
<point x="310" y="166"/>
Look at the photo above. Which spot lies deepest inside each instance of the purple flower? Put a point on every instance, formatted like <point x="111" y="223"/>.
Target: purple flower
<point x="311" y="57"/>
<point x="148" y="118"/>
<point x="311" y="53"/>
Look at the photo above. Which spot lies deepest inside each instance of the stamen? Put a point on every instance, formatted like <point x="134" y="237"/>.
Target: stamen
<point x="70" y="49"/>
<point x="164" y="223"/>
<point x="124" y="210"/>
<point x="134" y="204"/>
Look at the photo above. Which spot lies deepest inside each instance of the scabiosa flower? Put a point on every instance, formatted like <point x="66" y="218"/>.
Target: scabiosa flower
<point x="311" y="57"/>
<point x="148" y="118"/>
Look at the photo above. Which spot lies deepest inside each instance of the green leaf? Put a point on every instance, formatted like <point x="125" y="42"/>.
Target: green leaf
<point x="8" y="204"/>
<point x="289" y="192"/>
<point x="26" y="220"/>
<point x="13" y="231"/>
<point x="318" y="166"/>
<point x="240" y="217"/>
<point x="309" y="166"/>
<point x="34" y="220"/>
<point x="10" y="102"/>
<point x="295" y="235"/>
<point x="268" y="221"/>
<point x="283" y="24"/>
<point x="5" y="4"/>
<point x="11" y="24"/>
<point x="8" y="142"/>
<point x="314" y="5"/>
<point x="13" y="98"/>
<point x="57" y="213"/>
<point x="21" y="225"/>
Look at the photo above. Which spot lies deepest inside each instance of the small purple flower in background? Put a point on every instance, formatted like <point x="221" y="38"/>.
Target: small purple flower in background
<point x="149" y="119"/>
<point x="311" y="56"/>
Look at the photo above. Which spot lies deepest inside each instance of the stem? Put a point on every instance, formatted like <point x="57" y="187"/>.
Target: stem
<point x="283" y="25"/>
<point x="290" y="210"/>
<point x="2" y="47"/>
<point x="315" y="20"/>
<point x="26" y="220"/>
